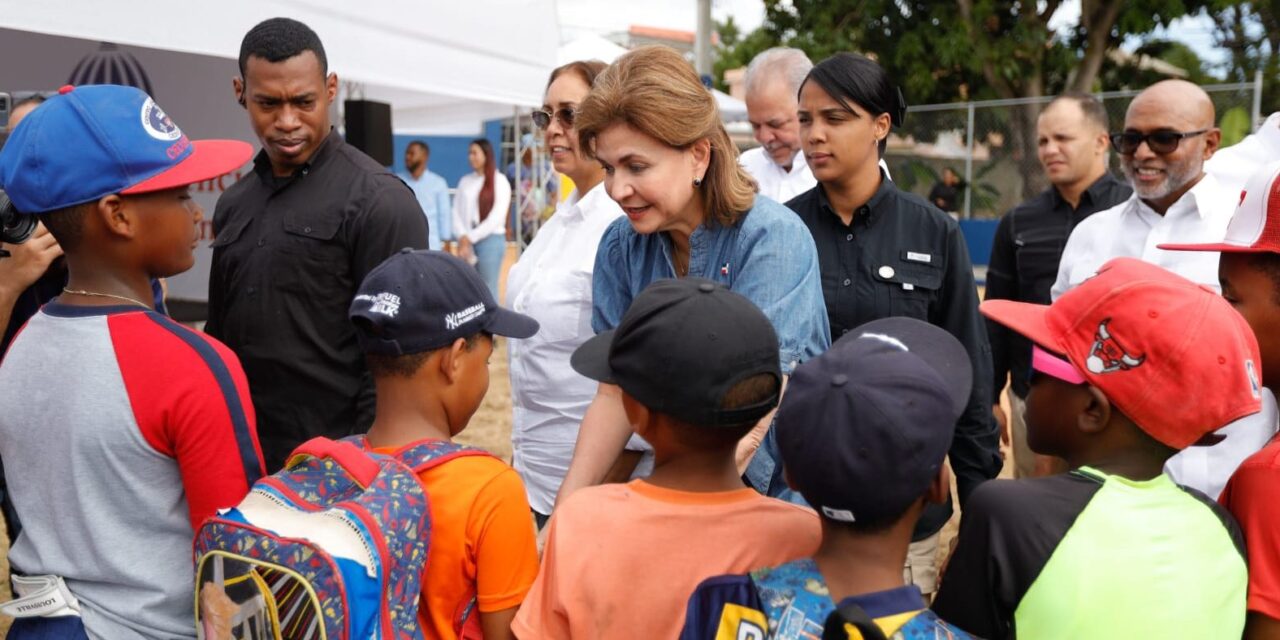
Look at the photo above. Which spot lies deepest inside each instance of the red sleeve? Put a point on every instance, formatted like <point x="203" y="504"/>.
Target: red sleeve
<point x="191" y="400"/>
<point x="1250" y="497"/>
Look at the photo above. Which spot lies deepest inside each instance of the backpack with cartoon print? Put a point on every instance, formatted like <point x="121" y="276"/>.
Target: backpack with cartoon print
<point x="333" y="547"/>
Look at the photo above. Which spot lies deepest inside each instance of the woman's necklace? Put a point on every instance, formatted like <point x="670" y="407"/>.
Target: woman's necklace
<point x="681" y="264"/>
<point x="82" y="292"/>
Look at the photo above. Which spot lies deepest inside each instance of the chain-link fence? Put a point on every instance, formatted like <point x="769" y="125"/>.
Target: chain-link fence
<point x="535" y="183"/>
<point x="991" y="145"/>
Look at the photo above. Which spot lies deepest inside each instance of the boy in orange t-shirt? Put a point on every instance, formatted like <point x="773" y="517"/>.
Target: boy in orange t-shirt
<point x="426" y="322"/>
<point x="698" y="368"/>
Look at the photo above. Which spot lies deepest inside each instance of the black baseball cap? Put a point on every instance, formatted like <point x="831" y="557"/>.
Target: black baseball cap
<point x="418" y="301"/>
<point x="681" y="346"/>
<point x="866" y="426"/>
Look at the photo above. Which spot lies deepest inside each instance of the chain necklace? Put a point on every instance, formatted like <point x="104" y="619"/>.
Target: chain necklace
<point x="82" y="292"/>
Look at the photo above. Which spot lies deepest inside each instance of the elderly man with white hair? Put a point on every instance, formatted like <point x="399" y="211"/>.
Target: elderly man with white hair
<point x="773" y="83"/>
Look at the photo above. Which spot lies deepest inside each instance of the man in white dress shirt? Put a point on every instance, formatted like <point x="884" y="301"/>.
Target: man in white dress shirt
<point x="773" y="85"/>
<point x="1168" y="135"/>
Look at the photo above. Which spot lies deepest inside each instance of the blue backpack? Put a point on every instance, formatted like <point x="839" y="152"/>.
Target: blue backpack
<point x="795" y="600"/>
<point x="331" y="548"/>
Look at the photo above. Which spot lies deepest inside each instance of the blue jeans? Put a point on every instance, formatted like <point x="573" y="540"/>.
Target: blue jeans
<point x="489" y="253"/>
<point x="60" y="628"/>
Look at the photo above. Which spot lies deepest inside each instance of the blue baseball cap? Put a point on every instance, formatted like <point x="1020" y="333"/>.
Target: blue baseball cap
<point x="92" y="141"/>
<point x="417" y="301"/>
<point x="865" y="427"/>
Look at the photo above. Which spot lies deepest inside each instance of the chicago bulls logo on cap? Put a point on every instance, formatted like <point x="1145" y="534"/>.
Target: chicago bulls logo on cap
<point x="1108" y="355"/>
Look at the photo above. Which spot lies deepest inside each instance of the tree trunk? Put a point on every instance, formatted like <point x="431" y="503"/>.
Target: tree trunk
<point x="1097" y="18"/>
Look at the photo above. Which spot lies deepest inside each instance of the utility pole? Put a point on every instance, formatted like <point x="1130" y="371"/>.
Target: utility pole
<point x="702" y="42"/>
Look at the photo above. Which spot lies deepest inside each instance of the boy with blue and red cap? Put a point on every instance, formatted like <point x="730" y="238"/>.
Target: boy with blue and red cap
<point x="1128" y="368"/>
<point x="121" y="429"/>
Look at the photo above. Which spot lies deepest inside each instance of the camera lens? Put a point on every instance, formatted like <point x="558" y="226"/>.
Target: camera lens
<point x="15" y="227"/>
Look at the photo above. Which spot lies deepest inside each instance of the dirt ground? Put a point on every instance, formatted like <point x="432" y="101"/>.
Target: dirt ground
<point x="490" y="429"/>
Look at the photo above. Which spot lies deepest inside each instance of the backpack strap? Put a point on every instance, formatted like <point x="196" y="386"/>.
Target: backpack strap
<point x="424" y="454"/>
<point x="851" y="614"/>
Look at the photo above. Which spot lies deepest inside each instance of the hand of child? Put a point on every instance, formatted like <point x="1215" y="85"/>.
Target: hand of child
<point x="1002" y="419"/>
<point x="216" y="612"/>
<point x="542" y="540"/>
<point x="749" y="443"/>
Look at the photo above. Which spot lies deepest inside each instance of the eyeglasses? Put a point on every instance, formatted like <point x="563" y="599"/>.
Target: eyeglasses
<point x="542" y="117"/>
<point x="1161" y="141"/>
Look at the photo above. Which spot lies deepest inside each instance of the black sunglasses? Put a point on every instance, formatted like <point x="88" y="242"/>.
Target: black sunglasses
<point x="542" y="118"/>
<point x="1161" y="141"/>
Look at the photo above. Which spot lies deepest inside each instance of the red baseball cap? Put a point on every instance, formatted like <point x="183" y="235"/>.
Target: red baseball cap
<point x="1255" y="225"/>
<point x="1171" y="354"/>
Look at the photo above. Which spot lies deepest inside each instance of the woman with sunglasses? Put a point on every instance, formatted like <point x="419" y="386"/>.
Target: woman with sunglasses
<point x="691" y="210"/>
<point x="552" y="283"/>
<point x="884" y="252"/>
<point x="480" y="213"/>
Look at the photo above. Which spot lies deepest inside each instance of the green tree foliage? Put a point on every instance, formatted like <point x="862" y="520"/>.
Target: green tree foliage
<point x="1117" y="77"/>
<point x="736" y="50"/>
<point x="1250" y="31"/>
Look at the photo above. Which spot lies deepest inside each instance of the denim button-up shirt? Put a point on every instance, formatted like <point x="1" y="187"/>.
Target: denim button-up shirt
<point x="768" y="256"/>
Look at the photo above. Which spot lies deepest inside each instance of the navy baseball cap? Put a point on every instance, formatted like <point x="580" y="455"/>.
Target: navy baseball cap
<point x="679" y="349"/>
<point x="865" y="427"/>
<point x="92" y="141"/>
<point x="418" y="301"/>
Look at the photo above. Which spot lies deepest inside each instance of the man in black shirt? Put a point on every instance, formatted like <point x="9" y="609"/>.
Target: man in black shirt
<point x="1028" y="244"/>
<point x="946" y="192"/>
<point x="293" y="241"/>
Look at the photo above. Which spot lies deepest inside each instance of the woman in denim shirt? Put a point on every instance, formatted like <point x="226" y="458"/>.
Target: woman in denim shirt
<point x="690" y="211"/>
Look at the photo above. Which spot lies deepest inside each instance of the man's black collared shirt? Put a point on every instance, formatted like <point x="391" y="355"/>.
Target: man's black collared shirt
<point x="901" y="256"/>
<point x="1024" y="264"/>
<point x="288" y="256"/>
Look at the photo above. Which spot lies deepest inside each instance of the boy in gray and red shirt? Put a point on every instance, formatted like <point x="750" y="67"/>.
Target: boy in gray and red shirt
<point x="121" y="429"/>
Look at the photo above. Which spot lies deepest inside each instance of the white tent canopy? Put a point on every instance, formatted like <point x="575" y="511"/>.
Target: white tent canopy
<point x="444" y="69"/>
<point x="589" y="47"/>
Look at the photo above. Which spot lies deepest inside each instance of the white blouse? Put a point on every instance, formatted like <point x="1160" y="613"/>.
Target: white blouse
<point x="466" y="208"/>
<point x="552" y="283"/>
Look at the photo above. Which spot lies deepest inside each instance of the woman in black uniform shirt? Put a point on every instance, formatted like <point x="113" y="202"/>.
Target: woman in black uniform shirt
<point x="883" y="252"/>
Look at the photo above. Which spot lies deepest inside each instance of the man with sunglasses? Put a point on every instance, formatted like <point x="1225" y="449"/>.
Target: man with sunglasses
<point x="1168" y="135"/>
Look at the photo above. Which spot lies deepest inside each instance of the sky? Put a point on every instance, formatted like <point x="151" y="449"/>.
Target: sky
<point x="604" y="16"/>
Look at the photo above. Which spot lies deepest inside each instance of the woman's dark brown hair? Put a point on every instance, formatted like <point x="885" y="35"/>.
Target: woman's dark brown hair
<point x="490" y="167"/>
<point x="585" y="69"/>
